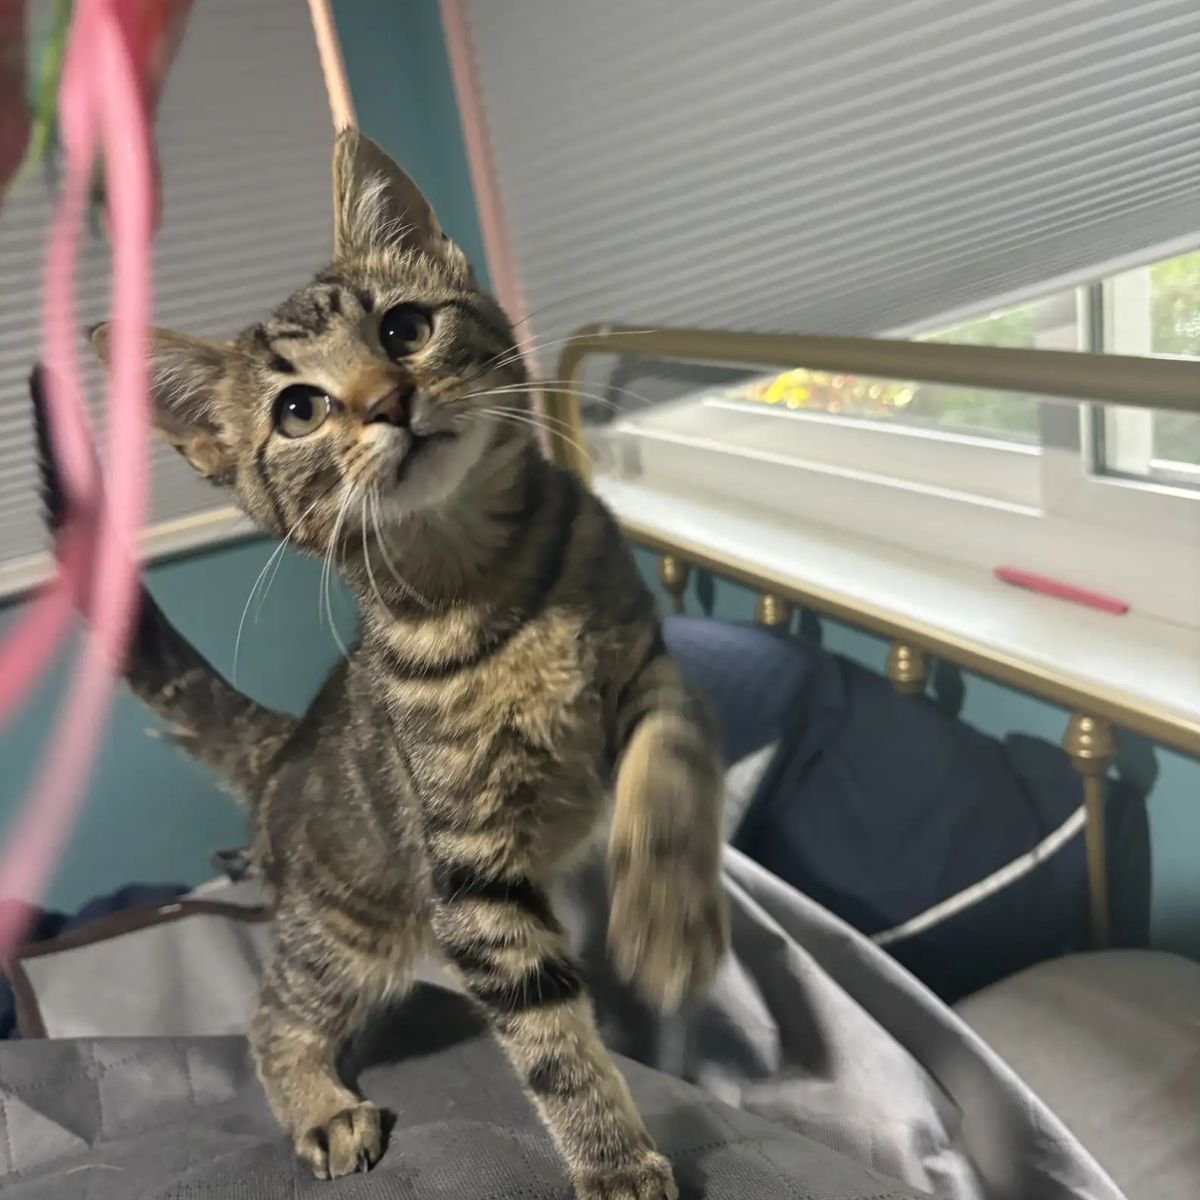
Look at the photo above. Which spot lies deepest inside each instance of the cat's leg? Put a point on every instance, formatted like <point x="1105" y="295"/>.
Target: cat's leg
<point x="318" y="990"/>
<point x="667" y="927"/>
<point x="512" y="953"/>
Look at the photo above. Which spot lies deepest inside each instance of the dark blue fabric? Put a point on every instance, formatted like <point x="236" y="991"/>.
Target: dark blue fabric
<point x="752" y="677"/>
<point x="880" y="805"/>
<point x="47" y="924"/>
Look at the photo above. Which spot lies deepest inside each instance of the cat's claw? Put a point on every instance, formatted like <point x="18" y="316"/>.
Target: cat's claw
<point x="648" y="1179"/>
<point x="349" y="1142"/>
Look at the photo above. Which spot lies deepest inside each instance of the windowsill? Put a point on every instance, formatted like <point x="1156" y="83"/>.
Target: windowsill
<point x="979" y="503"/>
<point x="165" y="539"/>
<point x="972" y="468"/>
<point x="1142" y="672"/>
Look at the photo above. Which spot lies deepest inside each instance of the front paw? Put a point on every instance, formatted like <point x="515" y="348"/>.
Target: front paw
<point x="347" y="1142"/>
<point x="649" y="1178"/>
<point x="668" y="927"/>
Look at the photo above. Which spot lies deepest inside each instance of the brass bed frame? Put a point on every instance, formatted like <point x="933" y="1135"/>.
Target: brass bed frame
<point x="1169" y="384"/>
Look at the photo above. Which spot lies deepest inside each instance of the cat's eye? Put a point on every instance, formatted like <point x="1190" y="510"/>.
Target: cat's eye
<point x="300" y="410"/>
<point x="403" y="330"/>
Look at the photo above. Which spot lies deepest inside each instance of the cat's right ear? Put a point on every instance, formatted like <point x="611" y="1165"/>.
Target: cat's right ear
<point x="376" y="206"/>
<point x="186" y="376"/>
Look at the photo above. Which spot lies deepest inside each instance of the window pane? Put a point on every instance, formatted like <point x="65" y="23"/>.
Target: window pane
<point x="1175" y="306"/>
<point x="1176" y="439"/>
<point x="1052" y="323"/>
<point x="978" y="410"/>
<point x="1154" y="310"/>
<point x="1175" y="317"/>
<point x="966" y="410"/>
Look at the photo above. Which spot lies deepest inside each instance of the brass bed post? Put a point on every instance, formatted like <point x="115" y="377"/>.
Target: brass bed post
<point x="772" y="611"/>
<point x="560" y="402"/>
<point x="1088" y="742"/>
<point x="907" y="668"/>
<point x="673" y="574"/>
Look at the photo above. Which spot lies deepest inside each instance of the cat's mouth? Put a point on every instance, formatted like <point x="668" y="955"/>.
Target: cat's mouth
<point x="422" y="445"/>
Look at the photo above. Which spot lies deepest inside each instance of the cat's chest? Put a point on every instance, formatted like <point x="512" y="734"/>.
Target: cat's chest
<point x="512" y="751"/>
<point x="533" y="703"/>
<point x="545" y="686"/>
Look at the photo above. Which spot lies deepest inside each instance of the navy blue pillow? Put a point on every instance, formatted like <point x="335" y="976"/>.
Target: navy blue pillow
<point x="880" y="806"/>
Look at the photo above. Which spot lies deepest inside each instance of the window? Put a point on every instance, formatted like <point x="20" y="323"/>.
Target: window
<point x="981" y="151"/>
<point x="1052" y="323"/>
<point x="1101" y="499"/>
<point x="1153" y="310"/>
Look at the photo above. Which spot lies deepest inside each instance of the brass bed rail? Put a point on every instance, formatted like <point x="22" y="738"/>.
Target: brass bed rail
<point x="1155" y="383"/>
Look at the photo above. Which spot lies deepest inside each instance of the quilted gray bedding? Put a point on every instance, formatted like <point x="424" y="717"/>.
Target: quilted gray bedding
<point x="817" y="1069"/>
<point x="124" y="1119"/>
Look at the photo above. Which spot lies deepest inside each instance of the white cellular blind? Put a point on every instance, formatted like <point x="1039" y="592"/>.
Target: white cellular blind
<point x="244" y="141"/>
<point x="845" y="166"/>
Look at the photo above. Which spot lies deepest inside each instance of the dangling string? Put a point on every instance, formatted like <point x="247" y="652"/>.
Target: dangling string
<point x="153" y="33"/>
<point x="102" y="103"/>
<point x="116" y="51"/>
<point x="337" y="87"/>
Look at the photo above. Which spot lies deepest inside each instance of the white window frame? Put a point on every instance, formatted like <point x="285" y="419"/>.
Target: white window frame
<point x="1048" y="509"/>
<point x="1123" y="438"/>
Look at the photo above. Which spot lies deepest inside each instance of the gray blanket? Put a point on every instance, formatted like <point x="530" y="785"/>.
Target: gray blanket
<point x="820" y="1069"/>
<point x="133" y="1119"/>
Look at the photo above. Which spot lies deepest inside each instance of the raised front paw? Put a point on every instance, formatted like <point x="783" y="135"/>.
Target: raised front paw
<point x="345" y="1143"/>
<point x="668" y="928"/>
<point x="649" y="1178"/>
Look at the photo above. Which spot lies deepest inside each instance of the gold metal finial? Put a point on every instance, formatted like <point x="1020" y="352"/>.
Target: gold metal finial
<point x="773" y="612"/>
<point x="907" y="668"/>
<point x="673" y="575"/>
<point x="1089" y="744"/>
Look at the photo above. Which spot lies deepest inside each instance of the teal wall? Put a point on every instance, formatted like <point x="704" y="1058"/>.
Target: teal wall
<point x="1171" y="781"/>
<point x="149" y="813"/>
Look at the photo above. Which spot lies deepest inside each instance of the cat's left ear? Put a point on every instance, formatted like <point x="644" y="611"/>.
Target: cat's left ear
<point x="187" y="385"/>
<point x="376" y="206"/>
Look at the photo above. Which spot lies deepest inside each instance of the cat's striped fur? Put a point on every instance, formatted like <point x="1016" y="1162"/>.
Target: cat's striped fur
<point x="510" y="679"/>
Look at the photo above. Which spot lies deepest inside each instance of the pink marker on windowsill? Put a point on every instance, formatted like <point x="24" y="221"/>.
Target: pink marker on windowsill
<point x="1060" y="591"/>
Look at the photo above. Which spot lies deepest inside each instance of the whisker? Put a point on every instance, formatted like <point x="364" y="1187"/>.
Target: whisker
<point x="276" y="557"/>
<point x="529" y="346"/>
<point x="536" y="387"/>
<point x="237" y="641"/>
<point x="542" y="343"/>
<point x="543" y="419"/>
<point x="321" y="584"/>
<point x="520" y="418"/>
<point x="367" y="557"/>
<point x="333" y="541"/>
<point x="262" y="600"/>
<point x="327" y="568"/>
<point x="424" y="601"/>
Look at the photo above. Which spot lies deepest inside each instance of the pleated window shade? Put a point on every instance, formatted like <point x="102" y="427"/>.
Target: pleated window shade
<point x="851" y="166"/>
<point x="244" y="139"/>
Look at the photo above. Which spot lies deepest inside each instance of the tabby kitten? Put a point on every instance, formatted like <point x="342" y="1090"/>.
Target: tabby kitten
<point x="509" y="679"/>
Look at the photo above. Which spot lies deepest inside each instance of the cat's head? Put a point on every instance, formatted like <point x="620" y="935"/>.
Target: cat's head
<point x="359" y="400"/>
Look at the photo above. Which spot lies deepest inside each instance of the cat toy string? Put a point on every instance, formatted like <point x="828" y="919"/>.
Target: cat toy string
<point x="337" y="87"/>
<point x="114" y="58"/>
<point x="102" y="105"/>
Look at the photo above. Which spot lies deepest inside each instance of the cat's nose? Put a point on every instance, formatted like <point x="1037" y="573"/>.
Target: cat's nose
<point x="393" y="409"/>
